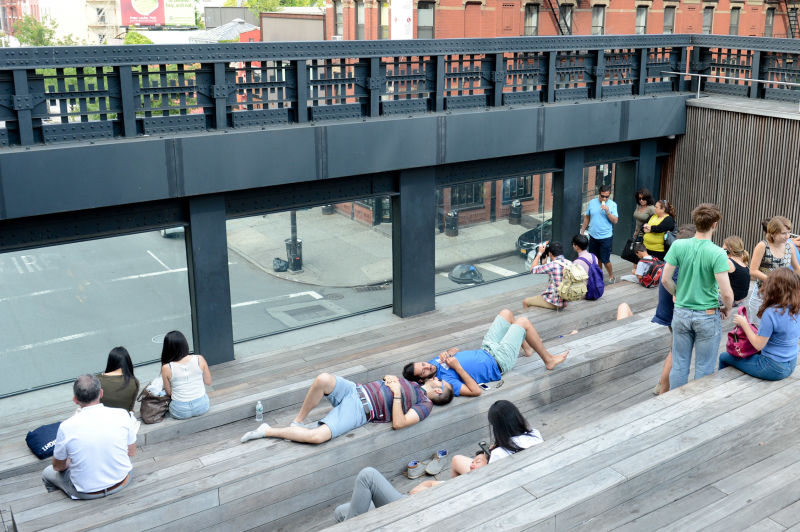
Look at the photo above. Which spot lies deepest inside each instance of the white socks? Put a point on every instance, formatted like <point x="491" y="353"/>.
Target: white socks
<point x="260" y="432"/>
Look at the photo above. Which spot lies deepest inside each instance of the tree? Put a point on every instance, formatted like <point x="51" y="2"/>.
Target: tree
<point x="266" y="6"/>
<point x="134" y="37"/>
<point x="31" y="32"/>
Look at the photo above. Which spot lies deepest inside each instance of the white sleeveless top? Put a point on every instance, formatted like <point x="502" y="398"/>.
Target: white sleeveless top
<point x="187" y="381"/>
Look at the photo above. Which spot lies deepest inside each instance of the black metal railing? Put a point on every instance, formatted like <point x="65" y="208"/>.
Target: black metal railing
<point x="50" y="95"/>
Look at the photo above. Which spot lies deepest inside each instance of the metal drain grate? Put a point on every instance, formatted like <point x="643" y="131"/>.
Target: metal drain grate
<point x="373" y="287"/>
<point x="334" y="297"/>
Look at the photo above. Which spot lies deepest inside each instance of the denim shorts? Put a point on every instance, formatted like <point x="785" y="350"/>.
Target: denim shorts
<point x="187" y="409"/>
<point x="348" y="412"/>
<point x="602" y="248"/>
<point x="503" y="341"/>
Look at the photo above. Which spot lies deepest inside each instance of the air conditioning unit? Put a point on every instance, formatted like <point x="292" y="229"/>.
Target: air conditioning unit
<point x="336" y="37"/>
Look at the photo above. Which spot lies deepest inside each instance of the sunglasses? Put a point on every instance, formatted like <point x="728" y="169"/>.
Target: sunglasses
<point x="605" y="196"/>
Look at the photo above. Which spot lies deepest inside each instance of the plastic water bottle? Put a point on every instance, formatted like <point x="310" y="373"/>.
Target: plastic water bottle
<point x="259" y="412"/>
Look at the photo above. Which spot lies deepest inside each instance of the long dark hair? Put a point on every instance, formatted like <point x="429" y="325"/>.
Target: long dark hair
<point x="644" y="194"/>
<point x="175" y="347"/>
<point x="507" y="422"/>
<point x="781" y="290"/>
<point x="119" y="358"/>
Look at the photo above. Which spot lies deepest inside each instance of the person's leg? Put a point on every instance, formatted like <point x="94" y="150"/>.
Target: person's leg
<point x="624" y="311"/>
<point x="324" y="384"/>
<point x="758" y="366"/>
<point x="199" y="406"/>
<point x="370" y="487"/>
<point x="459" y="465"/>
<point x="663" y="382"/>
<point x="682" y="344"/>
<point x="753" y="304"/>
<point x="54" y="480"/>
<point x="319" y="434"/>
<point x="605" y="255"/>
<point x="537" y="301"/>
<point x="708" y="333"/>
<point x="180" y="409"/>
<point x="533" y="339"/>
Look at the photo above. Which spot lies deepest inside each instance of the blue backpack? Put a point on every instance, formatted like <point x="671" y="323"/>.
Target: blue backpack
<point x="595" y="285"/>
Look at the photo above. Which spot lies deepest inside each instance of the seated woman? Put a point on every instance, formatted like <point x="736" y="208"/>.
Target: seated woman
<point x="661" y="222"/>
<point x="511" y="434"/>
<point x="185" y="377"/>
<point x="739" y="274"/>
<point x="120" y="387"/>
<point x="778" y="332"/>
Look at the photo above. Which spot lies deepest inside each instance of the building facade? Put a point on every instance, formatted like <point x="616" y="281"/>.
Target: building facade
<point x="13" y="10"/>
<point x="88" y="21"/>
<point x="453" y="19"/>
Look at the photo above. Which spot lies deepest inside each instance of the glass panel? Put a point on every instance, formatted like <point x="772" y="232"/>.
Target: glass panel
<point x="593" y="178"/>
<point x="734" y="26"/>
<point x="485" y="234"/>
<point x="598" y="20"/>
<point x="669" y="20"/>
<point x="641" y="20"/>
<point x="383" y="22"/>
<point x="338" y="17"/>
<point x="565" y="18"/>
<point x="531" y="19"/>
<point x="770" y="18"/>
<point x="65" y="307"/>
<point x="360" y="21"/>
<point x="341" y="265"/>
<point x="708" y="20"/>
<point x="425" y="20"/>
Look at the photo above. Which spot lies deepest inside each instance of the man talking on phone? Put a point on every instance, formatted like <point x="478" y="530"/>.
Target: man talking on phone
<point x="498" y="354"/>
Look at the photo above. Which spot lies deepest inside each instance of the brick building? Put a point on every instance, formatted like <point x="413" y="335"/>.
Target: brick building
<point x="445" y="19"/>
<point x="12" y="11"/>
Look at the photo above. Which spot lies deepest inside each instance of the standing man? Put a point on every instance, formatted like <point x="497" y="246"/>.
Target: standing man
<point x="91" y="457"/>
<point x="697" y="318"/>
<point x="600" y="217"/>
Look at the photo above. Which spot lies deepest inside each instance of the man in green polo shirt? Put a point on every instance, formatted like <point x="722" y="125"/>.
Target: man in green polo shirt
<point x="697" y="319"/>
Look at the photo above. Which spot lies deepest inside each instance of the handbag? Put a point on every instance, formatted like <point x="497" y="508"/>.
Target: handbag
<point x="738" y="345"/>
<point x="627" y="252"/>
<point x="154" y="407"/>
<point x="42" y="440"/>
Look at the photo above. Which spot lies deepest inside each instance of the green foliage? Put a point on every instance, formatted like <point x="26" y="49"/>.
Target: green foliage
<point x="134" y="37"/>
<point x="31" y="32"/>
<point x="266" y="6"/>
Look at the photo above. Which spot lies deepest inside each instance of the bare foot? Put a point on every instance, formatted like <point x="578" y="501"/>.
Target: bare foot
<point x="575" y="331"/>
<point x="556" y="360"/>
<point x="527" y="351"/>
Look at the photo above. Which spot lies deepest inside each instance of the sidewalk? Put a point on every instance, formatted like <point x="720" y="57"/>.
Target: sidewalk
<point x="340" y="252"/>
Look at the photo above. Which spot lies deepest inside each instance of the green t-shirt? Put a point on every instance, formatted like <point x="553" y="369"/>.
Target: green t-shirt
<point x="698" y="260"/>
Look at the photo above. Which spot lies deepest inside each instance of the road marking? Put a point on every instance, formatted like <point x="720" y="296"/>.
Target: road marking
<point x="496" y="269"/>
<point x="39" y="293"/>
<point x="310" y="293"/>
<point x="158" y="260"/>
<point x="143" y="275"/>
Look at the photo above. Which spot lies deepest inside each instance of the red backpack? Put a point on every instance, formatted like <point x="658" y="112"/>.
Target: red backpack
<point x="652" y="277"/>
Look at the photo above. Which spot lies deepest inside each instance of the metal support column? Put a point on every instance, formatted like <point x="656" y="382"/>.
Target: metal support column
<point x="209" y="283"/>
<point x="568" y="200"/>
<point x="624" y="189"/>
<point x="646" y="175"/>
<point x="413" y="250"/>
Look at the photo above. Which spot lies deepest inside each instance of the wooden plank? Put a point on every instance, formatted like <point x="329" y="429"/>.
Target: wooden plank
<point x="765" y="525"/>
<point x="788" y="516"/>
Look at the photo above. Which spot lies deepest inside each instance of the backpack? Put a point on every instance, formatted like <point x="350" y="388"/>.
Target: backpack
<point x="573" y="285"/>
<point x="594" y="285"/>
<point x="652" y="277"/>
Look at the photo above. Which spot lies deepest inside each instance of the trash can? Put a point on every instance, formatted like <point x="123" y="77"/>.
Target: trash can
<point x="327" y="209"/>
<point x="515" y="213"/>
<point x="451" y="223"/>
<point x="294" y="254"/>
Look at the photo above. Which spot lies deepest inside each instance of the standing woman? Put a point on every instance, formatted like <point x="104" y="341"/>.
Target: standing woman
<point x="661" y="222"/>
<point x="778" y="333"/>
<point x="739" y="274"/>
<point x="644" y="209"/>
<point x="770" y="254"/>
<point x="185" y="377"/>
<point x="120" y="387"/>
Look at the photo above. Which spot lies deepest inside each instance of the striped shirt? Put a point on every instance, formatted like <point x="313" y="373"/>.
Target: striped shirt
<point x="380" y="396"/>
<point x="555" y="268"/>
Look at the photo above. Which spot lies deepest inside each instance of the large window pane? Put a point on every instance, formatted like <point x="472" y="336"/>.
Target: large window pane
<point x="669" y="19"/>
<point x="531" y="19"/>
<point x="345" y="266"/>
<point x="598" y="20"/>
<point x="64" y="307"/>
<point x="425" y="20"/>
<point x="708" y="20"/>
<point x="479" y="225"/>
<point x="641" y="20"/>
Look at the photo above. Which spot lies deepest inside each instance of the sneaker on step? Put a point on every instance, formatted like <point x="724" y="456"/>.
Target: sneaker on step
<point x="436" y="464"/>
<point x="415" y="469"/>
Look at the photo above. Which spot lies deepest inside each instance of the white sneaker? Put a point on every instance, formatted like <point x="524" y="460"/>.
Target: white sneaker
<point x="260" y="432"/>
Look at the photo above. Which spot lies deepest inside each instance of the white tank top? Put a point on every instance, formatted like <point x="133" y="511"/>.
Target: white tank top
<point x="187" y="381"/>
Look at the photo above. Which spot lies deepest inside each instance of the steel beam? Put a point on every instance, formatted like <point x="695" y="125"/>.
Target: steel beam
<point x="568" y="199"/>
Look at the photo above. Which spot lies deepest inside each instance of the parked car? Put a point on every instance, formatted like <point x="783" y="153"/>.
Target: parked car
<point x="533" y="237"/>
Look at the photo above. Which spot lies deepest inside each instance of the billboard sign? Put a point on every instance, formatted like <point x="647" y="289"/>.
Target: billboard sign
<point x="402" y="19"/>
<point x="157" y="12"/>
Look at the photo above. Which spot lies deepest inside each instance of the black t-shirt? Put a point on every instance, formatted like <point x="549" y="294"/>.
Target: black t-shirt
<point x="740" y="281"/>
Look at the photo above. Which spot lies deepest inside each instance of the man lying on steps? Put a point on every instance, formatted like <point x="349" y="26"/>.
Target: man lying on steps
<point x="391" y="400"/>
<point x="498" y="354"/>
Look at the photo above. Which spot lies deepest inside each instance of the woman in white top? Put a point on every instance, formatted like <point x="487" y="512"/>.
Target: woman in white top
<point x="185" y="377"/>
<point x="511" y="434"/>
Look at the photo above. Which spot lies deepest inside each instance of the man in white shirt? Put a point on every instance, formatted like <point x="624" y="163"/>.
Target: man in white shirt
<point x="91" y="456"/>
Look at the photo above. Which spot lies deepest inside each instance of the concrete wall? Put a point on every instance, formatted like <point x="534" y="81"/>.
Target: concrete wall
<point x="289" y="27"/>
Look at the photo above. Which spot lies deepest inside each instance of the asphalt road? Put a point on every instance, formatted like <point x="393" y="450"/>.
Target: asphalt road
<point x="65" y="307"/>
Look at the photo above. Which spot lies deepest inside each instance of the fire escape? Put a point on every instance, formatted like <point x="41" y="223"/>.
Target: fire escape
<point x="564" y="28"/>
<point x="791" y="13"/>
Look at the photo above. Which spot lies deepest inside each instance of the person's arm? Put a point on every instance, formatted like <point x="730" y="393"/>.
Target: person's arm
<point x="667" y="224"/>
<point x="470" y="388"/>
<point x="666" y="278"/>
<point x="732" y="266"/>
<point x="585" y="223"/>
<point x="424" y="486"/>
<point x="755" y="262"/>
<point x="166" y="375"/>
<point x="60" y="465"/>
<point x="611" y="214"/>
<point x="400" y="419"/>
<point x="755" y="340"/>
<point x="726" y="292"/>
<point x="206" y="371"/>
<point x="132" y="450"/>
<point x="539" y="256"/>
<point x="795" y="263"/>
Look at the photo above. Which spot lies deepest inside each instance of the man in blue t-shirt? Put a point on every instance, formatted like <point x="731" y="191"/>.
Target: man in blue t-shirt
<point x="498" y="354"/>
<point x="600" y="217"/>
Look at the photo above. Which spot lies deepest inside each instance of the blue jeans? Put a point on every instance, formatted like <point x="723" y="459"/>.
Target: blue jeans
<point x="759" y="366"/>
<point x="187" y="409"/>
<point x="698" y="330"/>
<point x="371" y="490"/>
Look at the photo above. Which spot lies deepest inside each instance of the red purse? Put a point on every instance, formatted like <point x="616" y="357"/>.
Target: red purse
<point x="738" y="345"/>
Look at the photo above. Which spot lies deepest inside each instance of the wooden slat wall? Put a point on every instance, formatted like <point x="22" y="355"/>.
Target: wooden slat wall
<point x="748" y="165"/>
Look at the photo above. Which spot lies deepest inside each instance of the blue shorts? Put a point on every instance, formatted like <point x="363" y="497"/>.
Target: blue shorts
<point x="187" y="409"/>
<point x="348" y="412"/>
<point x="602" y="248"/>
